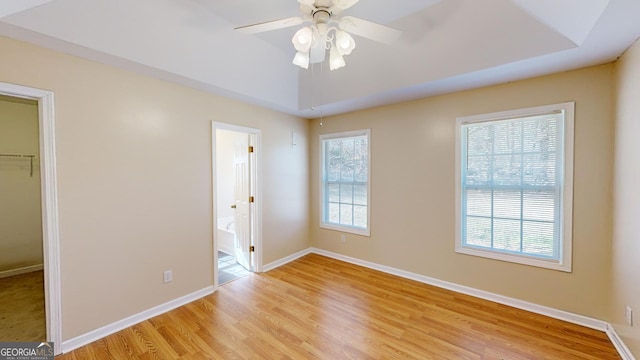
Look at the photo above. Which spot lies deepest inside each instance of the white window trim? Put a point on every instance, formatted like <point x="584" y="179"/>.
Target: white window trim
<point x="564" y="262"/>
<point x="346" y="229"/>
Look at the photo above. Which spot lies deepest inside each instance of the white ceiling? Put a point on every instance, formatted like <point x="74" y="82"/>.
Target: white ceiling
<point x="447" y="45"/>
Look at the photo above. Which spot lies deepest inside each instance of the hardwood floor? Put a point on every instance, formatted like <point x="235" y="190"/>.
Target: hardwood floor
<point x="22" y="315"/>
<point x="320" y="308"/>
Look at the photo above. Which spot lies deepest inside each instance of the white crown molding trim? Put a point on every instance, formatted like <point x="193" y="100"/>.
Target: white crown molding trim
<point x="20" y="271"/>
<point x="622" y="348"/>
<point x="288" y="259"/>
<point x="91" y="336"/>
<point x="10" y="7"/>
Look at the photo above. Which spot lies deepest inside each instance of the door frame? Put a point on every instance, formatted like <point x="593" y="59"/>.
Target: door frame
<point x="49" y="204"/>
<point x="257" y="205"/>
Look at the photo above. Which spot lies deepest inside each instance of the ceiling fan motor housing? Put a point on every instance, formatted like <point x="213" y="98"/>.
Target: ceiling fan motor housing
<point x="321" y="16"/>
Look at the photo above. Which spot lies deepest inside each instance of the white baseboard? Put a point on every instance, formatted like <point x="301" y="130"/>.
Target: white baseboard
<point x="74" y="343"/>
<point x="288" y="259"/>
<point x="622" y="348"/>
<point x="501" y="299"/>
<point x="20" y="271"/>
<point x="589" y="322"/>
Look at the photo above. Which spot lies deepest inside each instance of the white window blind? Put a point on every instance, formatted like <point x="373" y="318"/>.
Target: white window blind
<point x="512" y="186"/>
<point x="345" y="181"/>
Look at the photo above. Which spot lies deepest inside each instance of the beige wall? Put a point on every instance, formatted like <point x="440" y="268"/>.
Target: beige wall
<point x="134" y="182"/>
<point x="412" y="190"/>
<point x="20" y="216"/>
<point x="134" y="165"/>
<point x="626" y="209"/>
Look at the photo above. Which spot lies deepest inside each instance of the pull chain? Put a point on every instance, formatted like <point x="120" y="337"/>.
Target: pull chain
<point x="321" y="93"/>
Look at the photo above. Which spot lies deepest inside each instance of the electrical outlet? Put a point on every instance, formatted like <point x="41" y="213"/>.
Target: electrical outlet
<point x="343" y="238"/>
<point x="628" y="315"/>
<point x="168" y="276"/>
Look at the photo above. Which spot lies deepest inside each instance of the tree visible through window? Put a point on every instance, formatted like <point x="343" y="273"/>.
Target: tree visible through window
<point x="345" y="181"/>
<point x="513" y="186"/>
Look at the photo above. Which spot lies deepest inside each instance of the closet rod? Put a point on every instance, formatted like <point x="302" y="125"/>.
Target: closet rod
<point x="30" y="157"/>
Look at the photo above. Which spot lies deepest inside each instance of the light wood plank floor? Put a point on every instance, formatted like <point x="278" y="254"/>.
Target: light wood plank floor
<point x="22" y="308"/>
<point x="320" y="308"/>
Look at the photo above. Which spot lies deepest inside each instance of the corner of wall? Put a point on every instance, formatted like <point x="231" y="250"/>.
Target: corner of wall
<point x="625" y="249"/>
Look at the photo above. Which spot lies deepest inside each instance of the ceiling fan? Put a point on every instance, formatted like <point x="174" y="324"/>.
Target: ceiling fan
<point x="329" y="30"/>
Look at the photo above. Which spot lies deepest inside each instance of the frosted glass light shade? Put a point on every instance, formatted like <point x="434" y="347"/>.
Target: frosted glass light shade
<point x="301" y="59"/>
<point x="344" y="42"/>
<point x="336" y="61"/>
<point x="302" y="39"/>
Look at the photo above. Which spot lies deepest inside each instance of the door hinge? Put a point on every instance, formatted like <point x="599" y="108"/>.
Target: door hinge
<point x="250" y="149"/>
<point x="252" y="248"/>
<point x="252" y="199"/>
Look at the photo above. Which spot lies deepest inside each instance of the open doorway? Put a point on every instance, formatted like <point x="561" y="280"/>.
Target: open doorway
<point x="37" y="263"/>
<point x="235" y="201"/>
<point x="21" y="246"/>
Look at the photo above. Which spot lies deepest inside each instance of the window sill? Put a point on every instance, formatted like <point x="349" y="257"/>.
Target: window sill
<point x="346" y="229"/>
<point x="547" y="264"/>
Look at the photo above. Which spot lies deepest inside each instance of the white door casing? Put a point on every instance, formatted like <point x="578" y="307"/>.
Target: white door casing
<point x="50" y="225"/>
<point x="256" y="206"/>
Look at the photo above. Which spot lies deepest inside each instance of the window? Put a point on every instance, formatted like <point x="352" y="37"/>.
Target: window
<point x="514" y="186"/>
<point x="344" y="194"/>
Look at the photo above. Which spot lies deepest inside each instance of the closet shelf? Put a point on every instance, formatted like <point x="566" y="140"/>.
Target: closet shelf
<point x="22" y="156"/>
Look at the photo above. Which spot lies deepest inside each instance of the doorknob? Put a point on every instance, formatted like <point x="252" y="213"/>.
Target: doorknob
<point x="233" y="206"/>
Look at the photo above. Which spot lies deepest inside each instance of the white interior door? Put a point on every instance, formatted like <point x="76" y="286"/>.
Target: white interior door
<point x="242" y="203"/>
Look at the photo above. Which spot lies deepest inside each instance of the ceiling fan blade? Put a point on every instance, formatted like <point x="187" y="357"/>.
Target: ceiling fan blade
<point x="307" y="10"/>
<point x="270" y="25"/>
<point x="307" y="7"/>
<point x="344" y="4"/>
<point x="369" y="30"/>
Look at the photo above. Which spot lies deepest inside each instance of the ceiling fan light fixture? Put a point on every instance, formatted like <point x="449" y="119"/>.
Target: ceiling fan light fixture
<point x="336" y="61"/>
<point x="321" y="30"/>
<point x="301" y="59"/>
<point x="302" y="39"/>
<point x="344" y="42"/>
<point x="329" y="31"/>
